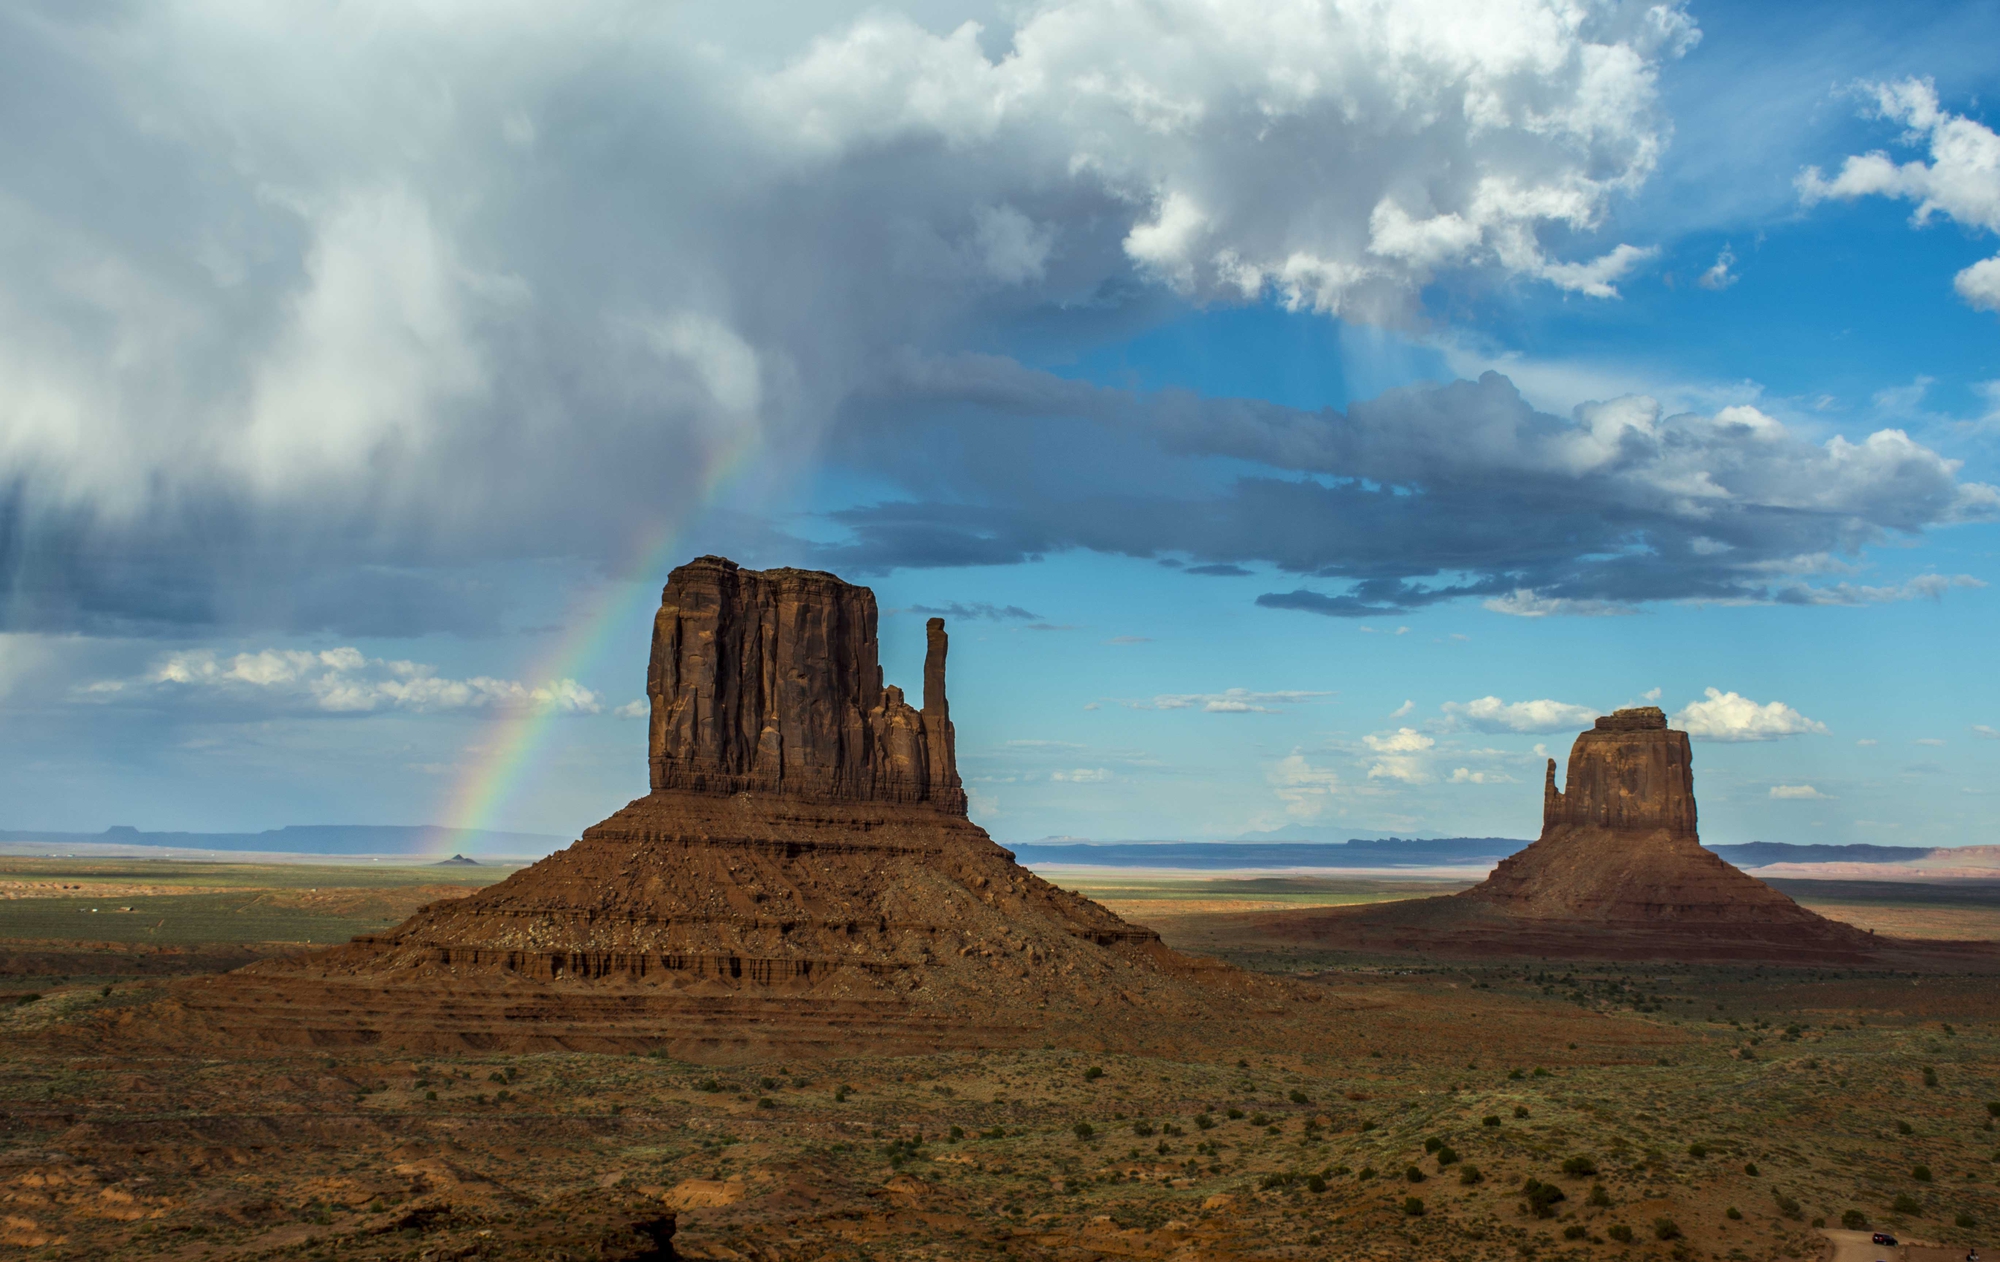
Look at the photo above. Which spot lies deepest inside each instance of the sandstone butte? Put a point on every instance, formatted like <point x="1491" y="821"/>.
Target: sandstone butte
<point x="802" y="878"/>
<point x="1619" y="873"/>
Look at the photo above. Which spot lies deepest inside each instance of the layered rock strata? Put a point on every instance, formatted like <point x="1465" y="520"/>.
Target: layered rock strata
<point x="1619" y="872"/>
<point x="801" y="878"/>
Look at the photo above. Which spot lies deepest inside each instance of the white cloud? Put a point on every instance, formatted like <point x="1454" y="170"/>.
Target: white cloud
<point x="1403" y="711"/>
<point x="1961" y="181"/>
<point x="1922" y="587"/>
<point x="1651" y="694"/>
<point x="1797" y="793"/>
<point x="1491" y="714"/>
<point x="1525" y="603"/>
<point x="1719" y="276"/>
<point x="1234" y="701"/>
<point x="1082" y="775"/>
<point x="337" y="681"/>
<point x="639" y="709"/>
<point x="1984" y="732"/>
<point x="1867" y="741"/>
<point x="1930" y="741"/>
<point x="1308" y="792"/>
<point x="1729" y="716"/>
<point x="1465" y="775"/>
<point x="1403" y="755"/>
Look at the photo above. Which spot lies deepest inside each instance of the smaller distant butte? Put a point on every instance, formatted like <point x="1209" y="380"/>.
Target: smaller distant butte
<point x="1619" y="873"/>
<point x="801" y="879"/>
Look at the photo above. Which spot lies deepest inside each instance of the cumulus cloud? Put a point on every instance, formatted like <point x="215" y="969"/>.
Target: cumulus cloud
<point x="1719" y="276"/>
<point x="1466" y="775"/>
<point x="1985" y="732"/>
<point x="1308" y="791"/>
<point x="335" y="681"/>
<point x="1729" y="716"/>
<point x="1961" y="181"/>
<point x="1234" y="701"/>
<point x="1404" y="710"/>
<point x="639" y="709"/>
<point x="550" y="278"/>
<point x="1491" y="714"/>
<point x="1797" y="793"/>
<point x="1401" y="755"/>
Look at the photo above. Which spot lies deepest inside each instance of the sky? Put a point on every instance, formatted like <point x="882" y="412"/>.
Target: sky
<point x="1307" y="416"/>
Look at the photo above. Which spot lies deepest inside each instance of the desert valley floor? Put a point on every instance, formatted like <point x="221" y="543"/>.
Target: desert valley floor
<point x="1423" y="1109"/>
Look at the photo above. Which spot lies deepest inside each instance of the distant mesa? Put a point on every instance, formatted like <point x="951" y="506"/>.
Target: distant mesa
<point x="1618" y="873"/>
<point x="801" y="878"/>
<point x="456" y="861"/>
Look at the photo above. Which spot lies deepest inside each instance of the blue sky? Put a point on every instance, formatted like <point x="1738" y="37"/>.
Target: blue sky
<point x="1309" y="418"/>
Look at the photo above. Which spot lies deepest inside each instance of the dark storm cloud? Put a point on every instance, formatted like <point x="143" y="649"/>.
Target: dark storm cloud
<point x="331" y="317"/>
<point x="1420" y="496"/>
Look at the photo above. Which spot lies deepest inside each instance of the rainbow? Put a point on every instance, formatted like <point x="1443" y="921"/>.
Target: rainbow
<point x="515" y="738"/>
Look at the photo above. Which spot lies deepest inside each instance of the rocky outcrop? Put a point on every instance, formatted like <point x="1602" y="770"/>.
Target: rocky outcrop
<point x="769" y="682"/>
<point x="1619" y="872"/>
<point x="801" y="879"/>
<point x="1629" y="772"/>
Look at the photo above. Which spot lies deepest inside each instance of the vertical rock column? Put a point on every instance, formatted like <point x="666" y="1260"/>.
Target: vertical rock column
<point x="945" y="790"/>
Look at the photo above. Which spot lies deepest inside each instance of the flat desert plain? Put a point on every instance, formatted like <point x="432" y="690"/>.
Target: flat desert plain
<point x="1508" y="1109"/>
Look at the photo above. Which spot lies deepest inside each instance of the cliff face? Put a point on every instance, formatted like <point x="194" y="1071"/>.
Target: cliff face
<point x="769" y="682"/>
<point x="1628" y="772"/>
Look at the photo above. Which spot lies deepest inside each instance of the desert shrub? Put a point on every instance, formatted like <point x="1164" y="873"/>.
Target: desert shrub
<point x="763" y="1102"/>
<point x="1514" y="1075"/>
<point x="1787" y="1206"/>
<point x="1904" y="1128"/>
<point x="1260" y="1119"/>
<point x="1469" y="1175"/>
<point x="1993" y="1108"/>
<point x="1750" y="1168"/>
<point x="1697" y="1150"/>
<point x="1204" y="1122"/>
<point x="1965" y="1220"/>
<point x="1542" y="1198"/>
<point x="1575" y="1231"/>
<point x="1433" y="1144"/>
<point x="1598" y="1196"/>
<point x="1142" y="1128"/>
<point x="1367" y="1172"/>
<point x="1413" y="1206"/>
<point x="1168" y="1128"/>
<point x="430" y="1095"/>
<point x="1732" y="1213"/>
<point x="1619" y="1232"/>
<point x="1367" y="1125"/>
<point x="25" y="1000"/>
<point x="1093" y="1073"/>
<point x="995" y="1133"/>
<point x="496" y="1076"/>
<point x="1930" y="1076"/>
<point x="1447" y="1155"/>
<point x="1491" y="1119"/>
<point x="1577" y="1167"/>
<point x="1300" y="1097"/>
<point x="1853" y="1219"/>
<point x="1235" y="1115"/>
<point x="1905" y="1204"/>
<point x="1921" y="1174"/>
<point x="840" y="1093"/>
<point x="958" y="1132"/>
<point x="1413" y="1174"/>
<point x="1666" y="1229"/>
<point x="1541" y="1073"/>
<point x="767" y="1083"/>
<point x="1520" y="1110"/>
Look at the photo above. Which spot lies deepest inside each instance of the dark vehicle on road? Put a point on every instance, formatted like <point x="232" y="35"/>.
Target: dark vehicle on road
<point x="1882" y="1237"/>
